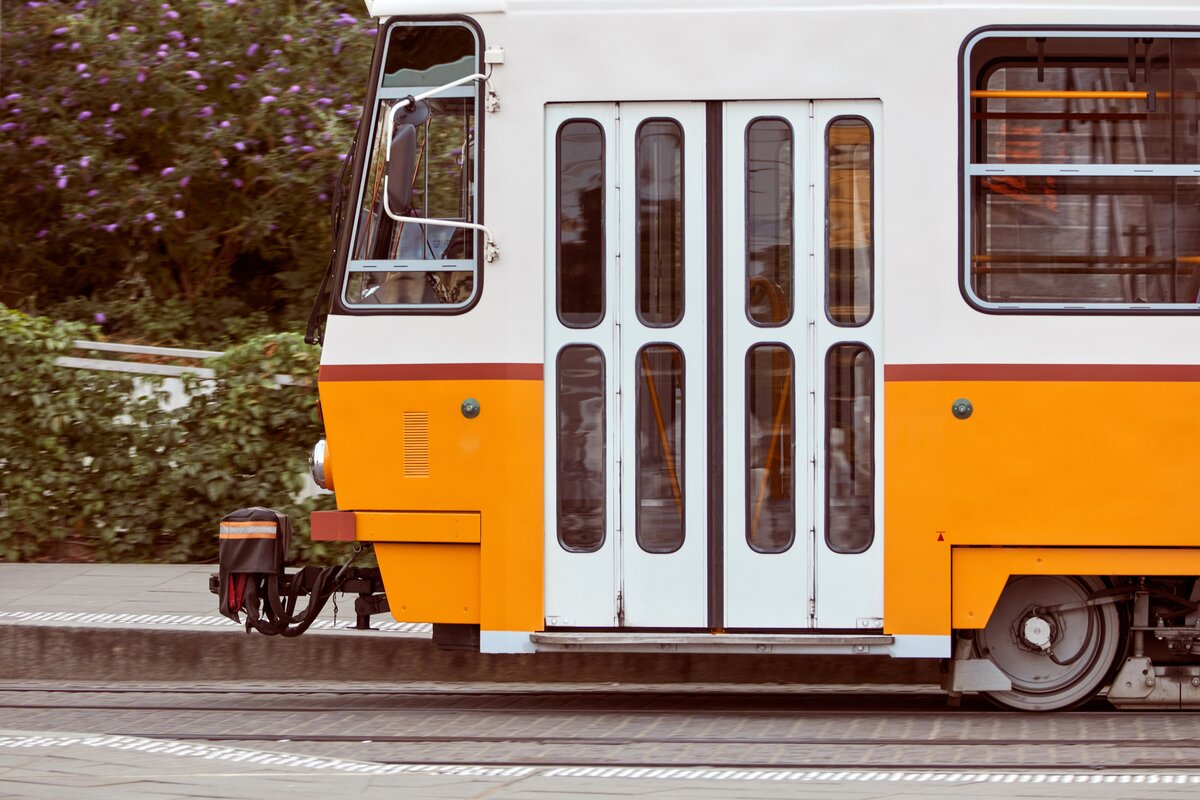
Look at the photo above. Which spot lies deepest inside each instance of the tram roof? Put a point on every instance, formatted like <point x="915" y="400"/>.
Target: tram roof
<point x="387" y="8"/>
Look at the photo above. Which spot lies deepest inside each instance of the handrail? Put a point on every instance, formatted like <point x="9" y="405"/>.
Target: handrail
<point x="1072" y="94"/>
<point x="142" y="368"/>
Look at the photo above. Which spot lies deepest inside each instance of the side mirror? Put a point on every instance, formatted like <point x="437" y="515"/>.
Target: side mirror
<point x="402" y="151"/>
<point x="401" y="164"/>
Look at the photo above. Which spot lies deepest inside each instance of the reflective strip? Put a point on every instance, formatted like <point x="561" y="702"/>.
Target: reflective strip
<point x="248" y="530"/>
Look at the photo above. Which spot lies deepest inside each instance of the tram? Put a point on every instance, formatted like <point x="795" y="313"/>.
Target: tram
<point x="789" y="327"/>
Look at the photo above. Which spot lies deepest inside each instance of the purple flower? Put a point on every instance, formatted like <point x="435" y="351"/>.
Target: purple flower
<point x="224" y="124"/>
<point x="185" y="180"/>
<point x="85" y="115"/>
<point x="62" y="183"/>
<point x="205" y="112"/>
<point x="270" y="98"/>
<point x="84" y="162"/>
<point x="43" y="233"/>
<point x="287" y="112"/>
<point x="111" y="227"/>
<point x="141" y="76"/>
<point x="251" y="50"/>
<point x="93" y="192"/>
<point x="8" y="126"/>
<point x="237" y="182"/>
<point x="112" y="37"/>
<point x="295" y="87"/>
<point x="131" y="28"/>
<point x="81" y="67"/>
<point x="240" y="146"/>
<point x="191" y="73"/>
<point x="179" y="213"/>
<point x="99" y="318"/>
<point x="59" y="170"/>
<point x="176" y="35"/>
<point x="147" y="112"/>
<point x="157" y="228"/>
<point x="167" y="171"/>
<point x="36" y="141"/>
<point x="172" y="14"/>
<point x="200" y="87"/>
<point x="114" y="108"/>
<point x="60" y="31"/>
<point x="12" y="98"/>
<point x="150" y="216"/>
<point x="324" y="101"/>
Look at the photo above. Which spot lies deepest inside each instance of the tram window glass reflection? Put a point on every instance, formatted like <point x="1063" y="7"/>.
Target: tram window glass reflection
<point x="580" y="223"/>
<point x="1125" y="111"/>
<point x="849" y="235"/>
<point x="770" y="448"/>
<point x="581" y="448"/>
<point x="659" y="222"/>
<point x="420" y="265"/>
<point x="769" y="221"/>
<point x="849" y="448"/>
<point x="660" y="428"/>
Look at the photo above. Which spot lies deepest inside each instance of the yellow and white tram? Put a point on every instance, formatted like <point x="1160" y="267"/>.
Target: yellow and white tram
<point x="789" y="327"/>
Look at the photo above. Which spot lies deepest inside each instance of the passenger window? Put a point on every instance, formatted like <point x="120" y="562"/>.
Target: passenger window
<point x="1077" y="197"/>
<point x="414" y="265"/>
<point x="581" y="448"/>
<point x="659" y="425"/>
<point x="849" y="235"/>
<point x="770" y="448"/>
<point x="849" y="448"/>
<point x="769" y="221"/>
<point x="580" y="223"/>
<point x="659" y="223"/>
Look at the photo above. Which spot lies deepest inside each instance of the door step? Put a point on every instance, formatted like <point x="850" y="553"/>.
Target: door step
<point x="778" y="643"/>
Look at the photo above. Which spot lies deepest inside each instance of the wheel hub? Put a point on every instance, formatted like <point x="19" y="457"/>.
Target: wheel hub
<point x="1037" y="632"/>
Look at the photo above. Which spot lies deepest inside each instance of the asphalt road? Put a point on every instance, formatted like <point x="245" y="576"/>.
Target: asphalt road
<point x="475" y="740"/>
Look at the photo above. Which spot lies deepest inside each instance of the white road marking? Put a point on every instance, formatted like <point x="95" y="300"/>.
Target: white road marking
<point x="291" y="761"/>
<point x="213" y="620"/>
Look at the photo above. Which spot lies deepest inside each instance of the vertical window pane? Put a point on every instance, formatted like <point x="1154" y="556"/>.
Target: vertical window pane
<point x="659" y="223"/>
<point x="581" y="448"/>
<point x="770" y="448"/>
<point x="849" y="448"/>
<point x="580" y="223"/>
<point x="660" y="448"/>
<point x="849" y="207"/>
<point x="769" y="227"/>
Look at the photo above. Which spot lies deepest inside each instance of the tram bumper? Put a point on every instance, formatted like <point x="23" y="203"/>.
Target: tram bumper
<point x="253" y="551"/>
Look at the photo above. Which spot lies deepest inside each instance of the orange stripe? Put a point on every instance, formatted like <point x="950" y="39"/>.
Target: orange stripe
<point x="249" y="524"/>
<point x="431" y="372"/>
<point x="1124" y="373"/>
<point x="247" y="536"/>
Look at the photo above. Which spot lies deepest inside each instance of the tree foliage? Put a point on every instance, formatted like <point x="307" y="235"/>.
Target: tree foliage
<point x="95" y="465"/>
<point x="174" y="152"/>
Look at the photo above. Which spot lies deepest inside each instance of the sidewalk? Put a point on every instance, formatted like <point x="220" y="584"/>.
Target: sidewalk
<point x="156" y="622"/>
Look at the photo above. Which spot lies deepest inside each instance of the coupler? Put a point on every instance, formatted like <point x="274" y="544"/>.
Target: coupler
<point x="253" y="551"/>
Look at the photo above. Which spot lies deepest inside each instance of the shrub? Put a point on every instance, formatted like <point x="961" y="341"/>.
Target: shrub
<point x="92" y="468"/>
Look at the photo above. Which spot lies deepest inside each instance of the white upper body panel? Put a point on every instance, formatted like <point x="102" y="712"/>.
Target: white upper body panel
<point x="905" y="55"/>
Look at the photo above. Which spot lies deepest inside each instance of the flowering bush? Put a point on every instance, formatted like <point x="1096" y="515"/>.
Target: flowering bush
<point x="188" y="146"/>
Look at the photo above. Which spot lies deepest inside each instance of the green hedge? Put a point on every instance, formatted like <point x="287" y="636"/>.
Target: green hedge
<point x="91" y="469"/>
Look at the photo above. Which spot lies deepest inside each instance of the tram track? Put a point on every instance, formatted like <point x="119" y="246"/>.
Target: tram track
<point x="462" y="727"/>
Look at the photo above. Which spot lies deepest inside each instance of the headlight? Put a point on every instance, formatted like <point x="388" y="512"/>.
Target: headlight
<point x="318" y="465"/>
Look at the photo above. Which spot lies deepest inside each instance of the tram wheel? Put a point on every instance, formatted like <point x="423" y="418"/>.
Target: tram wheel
<point x="1055" y="659"/>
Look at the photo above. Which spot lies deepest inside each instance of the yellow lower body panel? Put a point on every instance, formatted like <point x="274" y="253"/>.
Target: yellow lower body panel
<point x="1090" y="475"/>
<point x="431" y="582"/>
<point x="979" y="573"/>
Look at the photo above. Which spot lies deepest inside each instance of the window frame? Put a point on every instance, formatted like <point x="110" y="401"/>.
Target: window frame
<point x="558" y="220"/>
<point x="873" y="248"/>
<point x="966" y="174"/>
<point x="340" y="265"/>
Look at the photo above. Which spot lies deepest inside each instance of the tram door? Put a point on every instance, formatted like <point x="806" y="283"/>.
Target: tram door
<point x="704" y="386"/>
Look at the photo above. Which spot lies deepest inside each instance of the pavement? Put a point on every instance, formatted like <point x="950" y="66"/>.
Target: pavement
<point x="158" y="622"/>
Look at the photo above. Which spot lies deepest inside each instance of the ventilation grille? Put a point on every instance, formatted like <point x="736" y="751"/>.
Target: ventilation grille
<point x="416" y="444"/>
